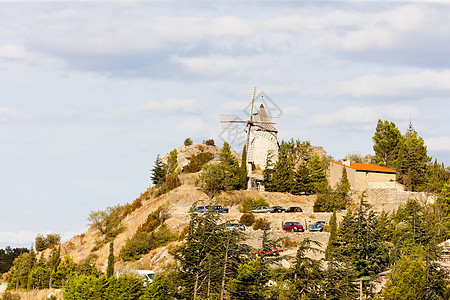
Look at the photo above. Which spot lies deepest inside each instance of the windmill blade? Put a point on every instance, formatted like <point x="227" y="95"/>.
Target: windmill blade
<point x="231" y="121"/>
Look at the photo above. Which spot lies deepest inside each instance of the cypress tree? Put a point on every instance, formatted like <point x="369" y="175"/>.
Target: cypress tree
<point x="243" y="170"/>
<point x="110" y="268"/>
<point x="332" y="240"/>
<point x="283" y="173"/>
<point x="302" y="181"/>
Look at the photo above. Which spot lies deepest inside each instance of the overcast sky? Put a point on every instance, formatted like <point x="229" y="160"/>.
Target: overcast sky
<point x="91" y="92"/>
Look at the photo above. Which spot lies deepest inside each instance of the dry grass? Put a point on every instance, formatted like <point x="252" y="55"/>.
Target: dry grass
<point x="39" y="294"/>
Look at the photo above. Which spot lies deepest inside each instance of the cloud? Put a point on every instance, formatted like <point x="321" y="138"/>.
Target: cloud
<point x="193" y="127"/>
<point x="21" y="237"/>
<point x="170" y="105"/>
<point x="414" y="84"/>
<point x="364" y="114"/>
<point x="438" y="144"/>
<point x="294" y="111"/>
<point x="7" y="114"/>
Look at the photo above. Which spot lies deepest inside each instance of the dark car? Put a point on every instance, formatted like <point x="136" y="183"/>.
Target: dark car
<point x="273" y="251"/>
<point x="316" y="227"/>
<point x="294" y="209"/>
<point x="278" y="209"/>
<point x="217" y="208"/>
<point x="293" y="227"/>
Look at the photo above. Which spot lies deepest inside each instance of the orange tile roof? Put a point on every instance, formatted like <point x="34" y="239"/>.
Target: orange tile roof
<point x="367" y="167"/>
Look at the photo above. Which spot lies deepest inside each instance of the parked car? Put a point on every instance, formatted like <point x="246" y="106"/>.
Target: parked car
<point x="262" y="209"/>
<point x="204" y="208"/>
<point x="293" y="227"/>
<point x="278" y="209"/>
<point x="273" y="251"/>
<point x="316" y="227"/>
<point x="201" y="209"/>
<point x="235" y="225"/>
<point x="294" y="209"/>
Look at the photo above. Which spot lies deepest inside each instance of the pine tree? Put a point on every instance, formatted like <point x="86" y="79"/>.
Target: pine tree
<point x="110" y="268"/>
<point x="317" y="174"/>
<point x="387" y="139"/>
<point x="283" y="172"/>
<point x="172" y="162"/>
<point x="302" y="181"/>
<point x="158" y="176"/>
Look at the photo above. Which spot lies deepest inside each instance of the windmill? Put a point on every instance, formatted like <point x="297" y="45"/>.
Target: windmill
<point x="257" y="122"/>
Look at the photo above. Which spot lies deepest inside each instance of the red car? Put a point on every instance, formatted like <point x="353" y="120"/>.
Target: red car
<point x="268" y="252"/>
<point x="293" y="227"/>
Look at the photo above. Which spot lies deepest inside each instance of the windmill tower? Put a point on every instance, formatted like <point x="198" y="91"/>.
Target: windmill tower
<point x="261" y="139"/>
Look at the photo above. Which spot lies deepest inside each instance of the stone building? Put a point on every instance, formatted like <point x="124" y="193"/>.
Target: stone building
<point x="262" y="142"/>
<point x="362" y="176"/>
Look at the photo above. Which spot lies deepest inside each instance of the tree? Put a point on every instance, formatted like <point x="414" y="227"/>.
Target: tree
<point x="413" y="163"/>
<point x="110" y="268"/>
<point x="243" y="172"/>
<point x="283" y="172"/>
<point x="159" y="172"/>
<point x="387" y="140"/>
<point x="224" y="176"/>
<point x="407" y="280"/>
<point x="172" y="162"/>
<point x="188" y="142"/>
<point x="332" y="240"/>
<point x="250" y="282"/>
<point x="317" y="174"/>
<point x="302" y="181"/>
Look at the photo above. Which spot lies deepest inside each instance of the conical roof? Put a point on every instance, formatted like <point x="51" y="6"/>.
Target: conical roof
<point x="262" y="120"/>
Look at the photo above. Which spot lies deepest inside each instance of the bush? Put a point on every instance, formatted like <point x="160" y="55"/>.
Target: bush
<point x="250" y="203"/>
<point x="247" y="219"/>
<point x="188" y="142"/>
<point x="210" y="142"/>
<point x="172" y="181"/>
<point x="42" y="243"/>
<point x="261" y="223"/>
<point x="10" y="296"/>
<point x="86" y="287"/>
<point x="196" y="162"/>
<point x="152" y="222"/>
<point x="144" y="242"/>
<point x="130" y="207"/>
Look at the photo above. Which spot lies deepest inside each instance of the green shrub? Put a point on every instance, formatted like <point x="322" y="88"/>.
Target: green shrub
<point x="144" y="242"/>
<point x="172" y="181"/>
<point x="86" y="287"/>
<point x="196" y="162"/>
<point x="188" y="141"/>
<point x="152" y="221"/>
<point x="125" y="287"/>
<point x="131" y="207"/>
<point x="48" y="241"/>
<point x="260" y="223"/>
<point x="10" y="296"/>
<point x="249" y="203"/>
<point x="247" y="219"/>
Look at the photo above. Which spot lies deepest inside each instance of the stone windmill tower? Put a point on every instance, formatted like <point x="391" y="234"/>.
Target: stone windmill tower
<point x="261" y="140"/>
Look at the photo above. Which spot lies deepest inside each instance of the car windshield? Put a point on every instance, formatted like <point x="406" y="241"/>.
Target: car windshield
<point x="296" y="223"/>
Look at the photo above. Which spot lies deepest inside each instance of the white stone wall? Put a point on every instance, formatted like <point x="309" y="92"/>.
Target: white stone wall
<point x="261" y="142"/>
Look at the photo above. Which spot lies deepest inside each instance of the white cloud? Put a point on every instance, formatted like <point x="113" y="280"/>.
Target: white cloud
<point x="7" y="114"/>
<point x="193" y="127"/>
<point x="21" y="237"/>
<point x="293" y="111"/>
<point x="364" y="114"/>
<point x="438" y="144"/>
<point x="170" y="105"/>
<point x="418" y="83"/>
<point x="217" y="65"/>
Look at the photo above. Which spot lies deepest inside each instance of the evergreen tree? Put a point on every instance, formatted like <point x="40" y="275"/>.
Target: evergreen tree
<point x="317" y="174"/>
<point x="412" y="168"/>
<point x="158" y="176"/>
<point x="172" y="162"/>
<point x="302" y="181"/>
<point x="250" y="283"/>
<point x="387" y="139"/>
<point x="283" y="172"/>
<point x="332" y="240"/>
<point x="55" y="259"/>
<point x="243" y="172"/>
<point x="188" y="142"/>
<point x="110" y="268"/>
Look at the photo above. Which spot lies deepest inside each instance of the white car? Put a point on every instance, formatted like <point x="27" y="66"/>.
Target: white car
<point x="262" y="209"/>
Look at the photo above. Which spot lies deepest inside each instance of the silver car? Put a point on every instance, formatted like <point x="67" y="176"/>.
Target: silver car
<point x="262" y="209"/>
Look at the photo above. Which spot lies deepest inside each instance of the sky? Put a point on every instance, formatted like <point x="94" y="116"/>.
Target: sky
<point x="92" y="92"/>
